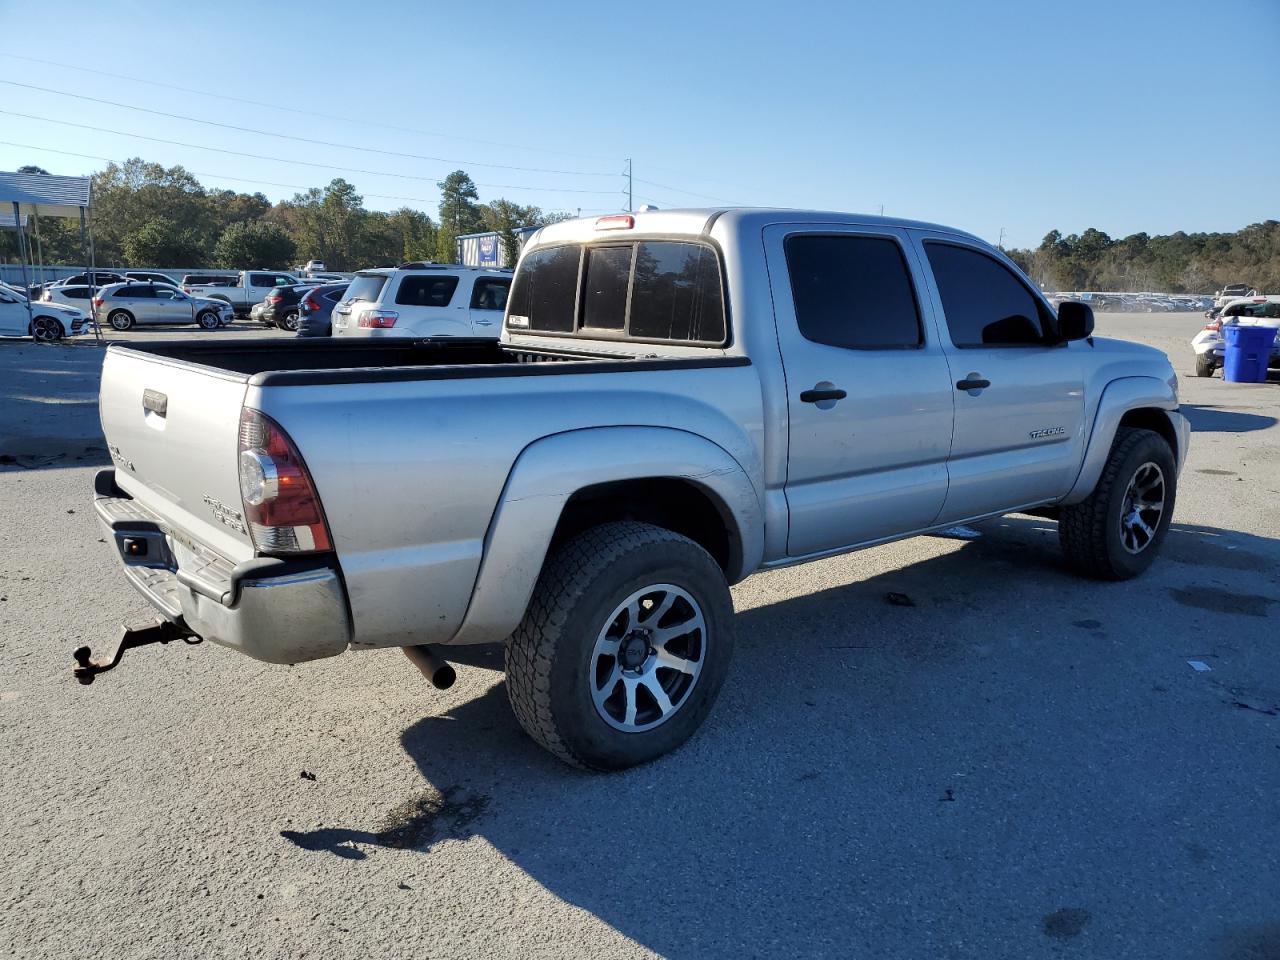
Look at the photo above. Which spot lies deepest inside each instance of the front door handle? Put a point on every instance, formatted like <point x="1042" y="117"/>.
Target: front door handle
<point x="817" y="396"/>
<point x="972" y="382"/>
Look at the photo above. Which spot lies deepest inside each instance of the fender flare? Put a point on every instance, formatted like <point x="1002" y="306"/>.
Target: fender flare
<point x="1118" y="398"/>
<point x="551" y="470"/>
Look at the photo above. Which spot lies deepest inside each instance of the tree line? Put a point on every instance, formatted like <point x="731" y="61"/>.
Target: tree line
<point x="146" y="214"/>
<point x="1177" y="263"/>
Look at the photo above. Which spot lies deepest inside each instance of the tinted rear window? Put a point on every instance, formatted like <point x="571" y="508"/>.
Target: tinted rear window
<point x="676" y="294"/>
<point x="604" y="291"/>
<point x="545" y="291"/>
<point x="366" y="288"/>
<point x="432" y="291"/>
<point x="852" y="292"/>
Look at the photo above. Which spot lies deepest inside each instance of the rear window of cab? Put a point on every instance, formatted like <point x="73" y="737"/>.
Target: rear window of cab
<point x="647" y="290"/>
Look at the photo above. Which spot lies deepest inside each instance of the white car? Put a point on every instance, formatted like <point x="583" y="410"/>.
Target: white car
<point x="41" y="321"/>
<point x="424" y="300"/>
<point x="1209" y="345"/>
<point x="76" y="295"/>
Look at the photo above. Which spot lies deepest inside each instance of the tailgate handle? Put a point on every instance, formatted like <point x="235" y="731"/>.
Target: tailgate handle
<point x="156" y="402"/>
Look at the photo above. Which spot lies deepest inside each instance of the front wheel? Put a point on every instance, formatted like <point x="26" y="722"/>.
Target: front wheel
<point x="1117" y="531"/>
<point x="209" y="320"/>
<point x="624" y="646"/>
<point x="46" y="330"/>
<point x="1205" y="365"/>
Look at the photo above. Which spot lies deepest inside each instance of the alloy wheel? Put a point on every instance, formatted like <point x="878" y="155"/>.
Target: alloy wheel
<point x="647" y="658"/>
<point x="1143" y="508"/>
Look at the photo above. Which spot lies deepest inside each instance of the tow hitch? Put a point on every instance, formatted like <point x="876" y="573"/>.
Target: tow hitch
<point x="139" y="634"/>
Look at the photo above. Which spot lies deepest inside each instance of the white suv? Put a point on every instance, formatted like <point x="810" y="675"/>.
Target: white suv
<point x="424" y="300"/>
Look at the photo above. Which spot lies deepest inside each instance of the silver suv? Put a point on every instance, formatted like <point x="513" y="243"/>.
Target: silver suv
<point x="424" y="300"/>
<point x="125" y="304"/>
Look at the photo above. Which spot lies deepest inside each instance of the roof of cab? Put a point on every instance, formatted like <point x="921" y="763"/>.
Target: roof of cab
<point x="700" y="220"/>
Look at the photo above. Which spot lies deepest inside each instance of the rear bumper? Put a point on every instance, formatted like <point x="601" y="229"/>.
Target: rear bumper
<point x="279" y="611"/>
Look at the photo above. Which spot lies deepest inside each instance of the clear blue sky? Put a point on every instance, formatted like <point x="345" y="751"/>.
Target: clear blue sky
<point x="1126" y="115"/>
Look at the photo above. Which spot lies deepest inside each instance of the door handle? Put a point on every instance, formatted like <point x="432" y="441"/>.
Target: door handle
<point x="972" y="382"/>
<point x="817" y="396"/>
<point x="484" y="323"/>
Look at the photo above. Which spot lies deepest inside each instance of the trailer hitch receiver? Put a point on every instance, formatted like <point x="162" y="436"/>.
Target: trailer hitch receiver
<point x="139" y="634"/>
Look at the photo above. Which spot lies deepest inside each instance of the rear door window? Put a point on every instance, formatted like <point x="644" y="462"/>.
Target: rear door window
<point x="490" y="293"/>
<point x="261" y="280"/>
<point x="984" y="303"/>
<point x="544" y="294"/>
<point x="853" y="292"/>
<point x="435" y="291"/>
<point x="137" y="293"/>
<point x="366" y="288"/>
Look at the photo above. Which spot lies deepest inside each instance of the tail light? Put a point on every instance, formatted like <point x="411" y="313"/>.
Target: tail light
<point x="280" y="501"/>
<point x="186" y="288"/>
<point x="620" y="221"/>
<point x="274" y="298"/>
<point x="97" y="301"/>
<point x="309" y="304"/>
<point x="1213" y="325"/>
<point x="379" y="319"/>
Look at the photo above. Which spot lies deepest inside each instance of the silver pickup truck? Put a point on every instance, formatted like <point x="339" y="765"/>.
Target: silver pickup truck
<point x="677" y="399"/>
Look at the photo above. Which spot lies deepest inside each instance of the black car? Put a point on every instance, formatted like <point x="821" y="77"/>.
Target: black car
<point x="280" y="308"/>
<point x="317" y="309"/>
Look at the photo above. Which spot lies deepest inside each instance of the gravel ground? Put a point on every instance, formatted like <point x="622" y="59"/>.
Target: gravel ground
<point x="1020" y="765"/>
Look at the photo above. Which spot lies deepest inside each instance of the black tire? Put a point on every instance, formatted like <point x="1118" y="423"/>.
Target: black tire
<point x="209" y="320"/>
<point x="289" y="321"/>
<point x="551" y="658"/>
<point x="1205" y="365"/>
<point x="1094" y="533"/>
<point x="120" y="320"/>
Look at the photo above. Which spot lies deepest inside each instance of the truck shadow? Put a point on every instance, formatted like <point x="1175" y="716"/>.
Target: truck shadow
<point x="861" y="754"/>
<point x="1211" y="418"/>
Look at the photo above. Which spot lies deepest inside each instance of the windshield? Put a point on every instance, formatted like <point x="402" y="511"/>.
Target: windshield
<point x="366" y="287"/>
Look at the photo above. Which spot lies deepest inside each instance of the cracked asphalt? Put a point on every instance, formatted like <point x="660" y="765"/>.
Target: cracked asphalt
<point x="1021" y="764"/>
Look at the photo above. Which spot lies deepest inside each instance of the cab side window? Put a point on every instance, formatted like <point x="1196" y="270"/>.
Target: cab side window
<point x="985" y="304"/>
<point x="853" y="292"/>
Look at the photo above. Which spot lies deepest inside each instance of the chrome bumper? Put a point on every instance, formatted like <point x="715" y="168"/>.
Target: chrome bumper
<point x="279" y="611"/>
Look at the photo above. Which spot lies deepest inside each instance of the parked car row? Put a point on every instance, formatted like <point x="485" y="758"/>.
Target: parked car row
<point x="1136" y="302"/>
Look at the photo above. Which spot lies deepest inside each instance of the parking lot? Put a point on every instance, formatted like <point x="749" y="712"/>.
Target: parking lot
<point x="1016" y="763"/>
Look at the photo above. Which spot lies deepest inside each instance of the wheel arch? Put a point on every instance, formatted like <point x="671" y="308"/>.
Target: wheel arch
<point x="570" y="481"/>
<point x="1142" y="402"/>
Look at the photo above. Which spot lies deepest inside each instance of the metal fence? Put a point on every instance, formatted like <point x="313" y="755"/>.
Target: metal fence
<point x="12" y="272"/>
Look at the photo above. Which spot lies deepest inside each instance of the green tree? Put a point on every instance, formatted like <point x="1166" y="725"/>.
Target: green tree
<point x="162" y="243"/>
<point x="254" y="243"/>
<point x="459" y="213"/>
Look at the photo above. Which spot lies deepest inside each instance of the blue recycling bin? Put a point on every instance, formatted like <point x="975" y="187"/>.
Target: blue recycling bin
<point x="1247" y="351"/>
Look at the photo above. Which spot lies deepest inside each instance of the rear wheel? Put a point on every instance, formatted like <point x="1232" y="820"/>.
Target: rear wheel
<point x="120" y="319"/>
<point x="1205" y="365"/>
<point x="289" y="321"/>
<point x="1116" y="533"/>
<point x="209" y="320"/>
<point x="624" y="646"/>
<point x="46" y="330"/>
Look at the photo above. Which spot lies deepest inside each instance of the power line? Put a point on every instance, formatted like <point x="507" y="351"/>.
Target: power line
<point x="308" y="140"/>
<point x="300" y="163"/>
<point x="300" y="111"/>
<point x="704" y="196"/>
<point x="216" y="176"/>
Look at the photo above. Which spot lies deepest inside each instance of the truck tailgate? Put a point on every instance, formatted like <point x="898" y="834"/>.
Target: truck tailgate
<point x="172" y="432"/>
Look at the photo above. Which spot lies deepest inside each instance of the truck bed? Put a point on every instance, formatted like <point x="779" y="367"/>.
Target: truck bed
<point x="309" y="362"/>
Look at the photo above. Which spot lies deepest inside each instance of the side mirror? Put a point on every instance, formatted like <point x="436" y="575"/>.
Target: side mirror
<point x="1075" y="320"/>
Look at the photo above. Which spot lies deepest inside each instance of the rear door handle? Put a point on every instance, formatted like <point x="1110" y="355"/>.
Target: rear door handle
<point x="817" y="396"/>
<point x="972" y="383"/>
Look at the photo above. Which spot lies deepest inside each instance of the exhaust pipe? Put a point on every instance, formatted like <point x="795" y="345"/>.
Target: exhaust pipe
<point x="432" y="667"/>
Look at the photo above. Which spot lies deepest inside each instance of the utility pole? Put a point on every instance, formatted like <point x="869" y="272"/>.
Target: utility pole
<point x="627" y="173"/>
<point x="1000" y="242"/>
